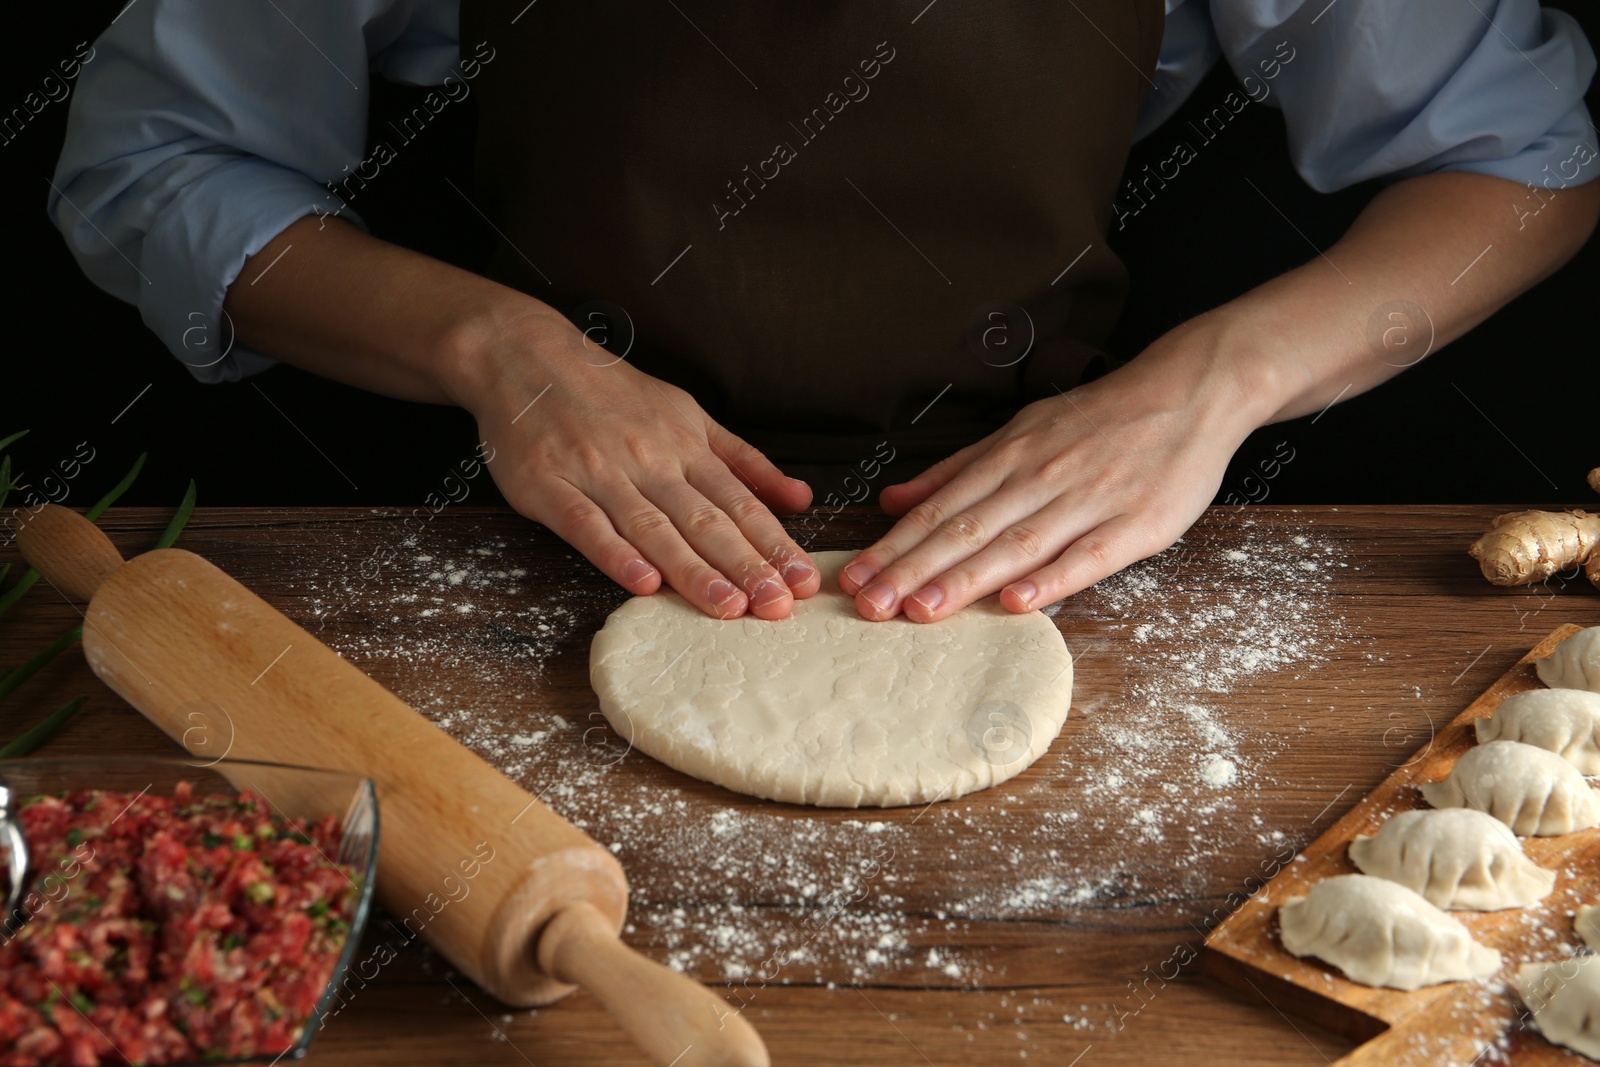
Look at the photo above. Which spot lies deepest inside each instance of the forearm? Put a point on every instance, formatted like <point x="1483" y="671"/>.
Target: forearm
<point x="1453" y="245"/>
<point x="327" y="298"/>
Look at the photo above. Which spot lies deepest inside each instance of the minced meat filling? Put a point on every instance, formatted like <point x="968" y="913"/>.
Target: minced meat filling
<point x="169" y="929"/>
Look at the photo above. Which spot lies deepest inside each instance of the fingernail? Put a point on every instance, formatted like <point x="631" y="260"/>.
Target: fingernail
<point x="636" y="572"/>
<point x="1025" y="591"/>
<point x="860" y="574"/>
<point x="768" y="592"/>
<point x="930" y="598"/>
<point x="879" y="596"/>
<point x="722" y="591"/>
<point x="798" y="573"/>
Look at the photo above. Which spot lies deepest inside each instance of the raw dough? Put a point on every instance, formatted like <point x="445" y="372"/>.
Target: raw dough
<point x="1564" y="721"/>
<point x="1574" y="663"/>
<point x="1536" y="793"/>
<point x="826" y="708"/>
<point x="1565" y="1000"/>
<point x="1380" y="933"/>
<point x="1457" y="858"/>
<point x="1587" y="925"/>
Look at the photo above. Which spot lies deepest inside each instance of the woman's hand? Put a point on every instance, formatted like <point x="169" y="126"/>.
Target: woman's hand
<point x="1079" y="486"/>
<point x="1073" y="489"/>
<point x="628" y="470"/>
<point x="633" y="474"/>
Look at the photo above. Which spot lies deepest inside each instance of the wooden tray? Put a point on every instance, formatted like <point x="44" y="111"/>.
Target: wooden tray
<point x="1458" y="1022"/>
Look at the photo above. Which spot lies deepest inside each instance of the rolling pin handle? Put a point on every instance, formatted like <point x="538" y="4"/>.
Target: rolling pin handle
<point x="672" y="1018"/>
<point x="69" y="551"/>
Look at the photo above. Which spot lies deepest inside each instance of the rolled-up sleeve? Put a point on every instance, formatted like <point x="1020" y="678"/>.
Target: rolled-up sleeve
<point x="1379" y="89"/>
<point x="200" y="130"/>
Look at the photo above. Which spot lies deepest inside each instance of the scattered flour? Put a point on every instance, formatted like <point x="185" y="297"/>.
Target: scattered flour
<point x="1145" y="786"/>
<point x="1218" y="771"/>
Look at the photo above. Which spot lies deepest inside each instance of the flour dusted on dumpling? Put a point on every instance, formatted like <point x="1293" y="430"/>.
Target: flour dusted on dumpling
<point x="1563" y="721"/>
<point x="1536" y="793"/>
<point x="1587" y="925"/>
<point x="1564" y="998"/>
<point x="1380" y="933"/>
<point x="1574" y="663"/>
<point x="1456" y="858"/>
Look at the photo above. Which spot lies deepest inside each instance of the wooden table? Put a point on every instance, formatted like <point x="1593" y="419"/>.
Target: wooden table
<point x="1029" y="922"/>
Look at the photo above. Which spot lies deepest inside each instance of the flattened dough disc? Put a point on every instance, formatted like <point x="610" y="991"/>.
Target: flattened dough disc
<point x="825" y="708"/>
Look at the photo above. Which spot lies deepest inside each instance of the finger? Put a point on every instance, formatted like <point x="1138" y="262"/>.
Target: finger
<point x="1098" y="554"/>
<point x="759" y="526"/>
<point x="955" y="540"/>
<point x="644" y="525"/>
<point x="580" y="522"/>
<point x="973" y="483"/>
<point x="903" y="496"/>
<point x="714" y="537"/>
<point x="757" y="472"/>
<point x="1020" y="550"/>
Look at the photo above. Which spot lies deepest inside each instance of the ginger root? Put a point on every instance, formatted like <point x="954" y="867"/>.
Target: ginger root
<point x="1529" y="546"/>
<point x="1523" y="547"/>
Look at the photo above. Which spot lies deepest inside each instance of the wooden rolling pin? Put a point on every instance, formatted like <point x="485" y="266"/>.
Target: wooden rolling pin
<point x="544" y="903"/>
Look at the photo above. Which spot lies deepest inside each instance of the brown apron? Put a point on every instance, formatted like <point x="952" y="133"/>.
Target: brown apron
<point x="832" y="223"/>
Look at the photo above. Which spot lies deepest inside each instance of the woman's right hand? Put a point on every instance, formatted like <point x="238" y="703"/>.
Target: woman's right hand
<point x="627" y="469"/>
<point x="632" y="473"/>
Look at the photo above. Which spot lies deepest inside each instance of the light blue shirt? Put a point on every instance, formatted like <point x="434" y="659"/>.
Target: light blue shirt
<point x="199" y="130"/>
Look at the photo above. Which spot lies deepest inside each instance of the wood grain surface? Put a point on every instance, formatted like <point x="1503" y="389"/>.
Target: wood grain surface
<point x="1412" y="633"/>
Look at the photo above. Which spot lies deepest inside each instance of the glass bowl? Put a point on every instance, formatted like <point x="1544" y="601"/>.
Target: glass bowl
<point x="292" y="793"/>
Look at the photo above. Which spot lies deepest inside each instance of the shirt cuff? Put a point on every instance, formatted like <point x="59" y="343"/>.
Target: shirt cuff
<point x="1567" y="154"/>
<point x="197" y="246"/>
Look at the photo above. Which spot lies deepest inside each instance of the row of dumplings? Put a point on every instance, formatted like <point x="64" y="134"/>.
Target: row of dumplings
<point x="1387" y="926"/>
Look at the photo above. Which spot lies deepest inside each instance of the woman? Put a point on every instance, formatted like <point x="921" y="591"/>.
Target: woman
<point x="820" y="234"/>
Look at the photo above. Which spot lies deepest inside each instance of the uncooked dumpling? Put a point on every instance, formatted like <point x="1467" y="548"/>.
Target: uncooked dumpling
<point x="1536" y="793"/>
<point x="826" y="708"/>
<point x="1587" y="924"/>
<point x="1563" y="721"/>
<point x="1565" y="1000"/>
<point x="1457" y="858"/>
<point x="1574" y="663"/>
<point x="1380" y="933"/>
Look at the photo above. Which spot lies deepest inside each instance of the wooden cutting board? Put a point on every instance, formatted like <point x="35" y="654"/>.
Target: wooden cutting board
<point x="1458" y="1022"/>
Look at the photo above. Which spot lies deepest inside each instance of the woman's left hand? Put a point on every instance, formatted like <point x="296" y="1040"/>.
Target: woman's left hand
<point x="1073" y="489"/>
<point x="1078" y="486"/>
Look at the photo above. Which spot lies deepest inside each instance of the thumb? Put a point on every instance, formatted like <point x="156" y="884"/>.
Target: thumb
<point x="901" y="498"/>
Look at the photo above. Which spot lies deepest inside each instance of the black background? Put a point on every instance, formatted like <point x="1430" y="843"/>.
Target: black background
<point x="76" y="357"/>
